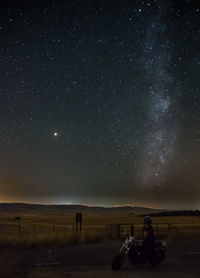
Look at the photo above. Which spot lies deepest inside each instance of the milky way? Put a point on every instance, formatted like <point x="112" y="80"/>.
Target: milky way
<point x="162" y="124"/>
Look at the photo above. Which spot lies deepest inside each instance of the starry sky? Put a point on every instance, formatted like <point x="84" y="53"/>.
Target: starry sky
<point x="100" y="102"/>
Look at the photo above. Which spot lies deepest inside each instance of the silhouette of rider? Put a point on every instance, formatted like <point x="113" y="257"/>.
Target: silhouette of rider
<point x="148" y="239"/>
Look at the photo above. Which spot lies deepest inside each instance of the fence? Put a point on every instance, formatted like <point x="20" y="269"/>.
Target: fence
<point x="21" y="228"/>
<point x="120" y="230"/>
<point x="113" y="230"/>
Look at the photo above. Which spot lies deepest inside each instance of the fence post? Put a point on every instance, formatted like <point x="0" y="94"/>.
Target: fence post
<point x="68" y="228"/>
<point x="110" y="230"/>
<point x="132" y="230"/>
<point x="1" y="227"/>
<point x="19" y="228"/>
<point x="156" y="230"/>
<point x="118" y="230"/>
<point x="169" y="228"/>
<point x="54" y="228"/>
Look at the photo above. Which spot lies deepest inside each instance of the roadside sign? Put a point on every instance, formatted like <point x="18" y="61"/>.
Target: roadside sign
<point x="78" y="221"/>
<point x="78" y="217"/>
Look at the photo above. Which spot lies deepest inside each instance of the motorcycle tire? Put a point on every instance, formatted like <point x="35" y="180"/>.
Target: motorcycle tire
<point x="158" y="256"/>
<point x="118" y="261"/>
<point x="134" y="256"/>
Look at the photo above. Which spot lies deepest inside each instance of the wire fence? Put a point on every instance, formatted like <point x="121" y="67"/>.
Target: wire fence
<point x="160" y="229"/>
<point x="112" y="230"/>
<point x="36" y="228"/>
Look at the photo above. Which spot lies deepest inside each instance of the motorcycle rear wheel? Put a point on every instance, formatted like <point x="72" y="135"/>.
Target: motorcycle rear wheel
<point x="118" y="261"/>
<point x="158" y="256"/>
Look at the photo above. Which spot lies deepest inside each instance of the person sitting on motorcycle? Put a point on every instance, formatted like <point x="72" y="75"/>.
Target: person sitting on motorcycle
<point x="148" y="239"/>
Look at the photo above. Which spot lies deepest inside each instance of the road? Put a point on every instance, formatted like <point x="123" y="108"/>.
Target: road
<point x="87" y="261"/>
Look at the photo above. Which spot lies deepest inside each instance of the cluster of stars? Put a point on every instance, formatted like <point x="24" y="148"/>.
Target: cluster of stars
<point x="98" y="94"/>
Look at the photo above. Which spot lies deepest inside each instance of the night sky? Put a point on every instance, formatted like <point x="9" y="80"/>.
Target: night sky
<point x="100" y="102"/>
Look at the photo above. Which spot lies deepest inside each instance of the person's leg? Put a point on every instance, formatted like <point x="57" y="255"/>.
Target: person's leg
<point x="151" y="254"/>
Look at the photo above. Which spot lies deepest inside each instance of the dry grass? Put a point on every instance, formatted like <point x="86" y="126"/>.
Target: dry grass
<point x="65" y="239"/>
<point x="39" y="240"/>
<point x="59" y="218"/>
<point x="49" y="229"/>
<point x="50" y="240"/>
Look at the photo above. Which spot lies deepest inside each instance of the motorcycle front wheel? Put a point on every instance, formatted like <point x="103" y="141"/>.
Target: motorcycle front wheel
<point x="118" y="261"/>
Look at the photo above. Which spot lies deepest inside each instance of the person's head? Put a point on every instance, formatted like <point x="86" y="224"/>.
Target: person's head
<point x="147" y="220"/>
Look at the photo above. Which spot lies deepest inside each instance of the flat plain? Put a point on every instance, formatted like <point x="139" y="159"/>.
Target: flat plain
<point x="45" y="243"/>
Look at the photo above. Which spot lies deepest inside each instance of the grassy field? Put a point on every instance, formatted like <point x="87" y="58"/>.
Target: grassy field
<point x="88" y="218"/>
<point x="33" y="228"/>
<point x="27" y="230"/>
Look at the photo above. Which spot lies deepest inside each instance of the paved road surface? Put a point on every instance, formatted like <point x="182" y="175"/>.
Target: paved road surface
<point x="87" y="261"/>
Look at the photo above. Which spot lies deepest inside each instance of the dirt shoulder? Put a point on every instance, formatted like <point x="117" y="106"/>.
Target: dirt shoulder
<point x="94" y="260"/>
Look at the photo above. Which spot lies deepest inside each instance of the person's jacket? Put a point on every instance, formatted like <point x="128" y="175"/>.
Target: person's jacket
<point x="148" y="234"/>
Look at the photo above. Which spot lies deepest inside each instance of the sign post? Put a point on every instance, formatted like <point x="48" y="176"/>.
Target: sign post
<point x="78" y="221"/>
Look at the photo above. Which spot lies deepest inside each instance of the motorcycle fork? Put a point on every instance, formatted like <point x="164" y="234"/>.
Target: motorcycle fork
<point x="124" y="250"/>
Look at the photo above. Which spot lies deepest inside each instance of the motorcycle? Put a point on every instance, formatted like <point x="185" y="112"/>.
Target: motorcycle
<point x="132" y="249"/>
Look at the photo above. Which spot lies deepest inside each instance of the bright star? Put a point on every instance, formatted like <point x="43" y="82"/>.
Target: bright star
<point x="55" y="134"/>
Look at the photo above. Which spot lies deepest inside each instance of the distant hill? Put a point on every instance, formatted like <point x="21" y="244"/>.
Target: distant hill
<point x="17" y="207"/>
<point x="177" y="213"/>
